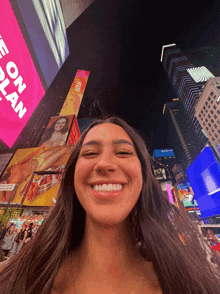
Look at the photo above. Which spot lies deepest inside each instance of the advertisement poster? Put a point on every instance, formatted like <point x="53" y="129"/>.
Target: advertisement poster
<point x="4" y="160"/>
<point x="74" y="97"/>
<point x="22" y="167"/>
<point x="74" y="133"/>
<point x="57" y="131"/>
<point x="186" y="194"/>
<point x="20" y="87"/>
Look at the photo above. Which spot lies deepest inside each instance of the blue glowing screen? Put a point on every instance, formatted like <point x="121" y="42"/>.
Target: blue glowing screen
<point x="163" y="153"/>
<point x="204" y="177"/>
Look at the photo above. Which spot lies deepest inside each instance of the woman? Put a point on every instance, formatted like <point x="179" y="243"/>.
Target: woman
<point x="19" y="240"/>
<point x="56" y="135"/>
<point x="112" y="230"/>
<point x="9" y="240"/>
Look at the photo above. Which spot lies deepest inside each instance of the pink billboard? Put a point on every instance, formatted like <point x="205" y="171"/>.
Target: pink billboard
<point x="20" y="87"/>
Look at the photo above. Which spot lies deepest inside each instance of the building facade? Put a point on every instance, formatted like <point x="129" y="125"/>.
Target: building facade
<point x="187" y="82"/>
<point x="207" y="112"/>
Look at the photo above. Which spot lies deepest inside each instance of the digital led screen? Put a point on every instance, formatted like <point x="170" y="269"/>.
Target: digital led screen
<point x="20" y="87"/>
<point x="163" y="153"/>
<point x="186" y="194"/>
<point x="45" y="26"/>
<point x="204" y="177"/>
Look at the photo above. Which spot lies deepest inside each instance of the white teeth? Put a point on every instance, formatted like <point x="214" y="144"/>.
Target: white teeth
<point x="107" y="188"/>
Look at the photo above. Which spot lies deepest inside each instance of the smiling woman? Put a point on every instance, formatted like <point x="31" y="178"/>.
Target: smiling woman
<point x="112" y="229"/>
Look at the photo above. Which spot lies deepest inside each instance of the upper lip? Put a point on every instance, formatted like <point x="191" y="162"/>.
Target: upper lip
<point x="106" y="182"/>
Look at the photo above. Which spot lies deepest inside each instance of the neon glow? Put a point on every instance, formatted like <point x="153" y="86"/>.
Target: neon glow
<point x="169" y="193"/>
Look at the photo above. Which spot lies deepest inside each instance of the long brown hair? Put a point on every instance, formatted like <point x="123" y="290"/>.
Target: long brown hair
<point x="181" y="267"/>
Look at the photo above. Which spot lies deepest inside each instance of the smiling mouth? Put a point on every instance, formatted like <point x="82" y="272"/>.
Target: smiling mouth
<point x="108" y="188"/>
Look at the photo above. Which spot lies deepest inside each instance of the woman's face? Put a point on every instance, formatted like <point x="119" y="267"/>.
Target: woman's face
<point x="108" y="177"/>
<point x="60" y="124"/>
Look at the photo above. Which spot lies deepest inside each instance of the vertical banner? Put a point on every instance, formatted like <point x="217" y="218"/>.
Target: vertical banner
<point x="74" y="97"/>
<point x="20" y="87"/>
<point x="74" y="133"/>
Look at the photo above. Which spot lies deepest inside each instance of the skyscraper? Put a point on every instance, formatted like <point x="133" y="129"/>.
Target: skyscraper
<point x="187" y="81"/>
<point x="207" y="111"/>
<point x="180" y="136"/>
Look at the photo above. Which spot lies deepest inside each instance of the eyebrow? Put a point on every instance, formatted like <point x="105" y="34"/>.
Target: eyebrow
<point x="115" y="142"/>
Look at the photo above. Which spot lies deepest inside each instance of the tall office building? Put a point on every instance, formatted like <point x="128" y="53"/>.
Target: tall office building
<point x="180" y="135"/>
<point x="207" y="111"/>
<point x="187" y="81"/>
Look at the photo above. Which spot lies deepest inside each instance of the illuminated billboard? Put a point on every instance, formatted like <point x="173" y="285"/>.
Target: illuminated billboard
<point x="46" y="29"/>
<point x="186" y="194"/>
<point x="74" y="97"/>
<point x="57" y="131"/>
<point x="20" y="86"/>
<point x="163" y="153"/>
<point x="204" y="177"/>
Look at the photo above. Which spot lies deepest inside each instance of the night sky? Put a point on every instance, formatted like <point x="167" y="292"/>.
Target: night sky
<point x="120" y="42"/>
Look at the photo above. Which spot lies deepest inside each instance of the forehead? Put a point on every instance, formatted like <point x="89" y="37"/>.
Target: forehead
<point x="107" y="132"/>
<point x="61" y="120"/>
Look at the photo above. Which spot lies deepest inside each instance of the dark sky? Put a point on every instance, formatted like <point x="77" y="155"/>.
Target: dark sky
<point x="120" y="43"/>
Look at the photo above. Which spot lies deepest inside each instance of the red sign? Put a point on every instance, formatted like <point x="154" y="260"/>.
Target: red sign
<point x="74" y="133"/>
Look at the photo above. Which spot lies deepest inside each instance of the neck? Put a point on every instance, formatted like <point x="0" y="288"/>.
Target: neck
<point x="107" y="249"/>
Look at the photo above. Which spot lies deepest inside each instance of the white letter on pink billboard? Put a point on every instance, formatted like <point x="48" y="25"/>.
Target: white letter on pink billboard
<point x="3" y="48"/>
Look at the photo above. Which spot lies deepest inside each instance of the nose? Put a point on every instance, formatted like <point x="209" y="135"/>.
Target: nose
<point x="105" y="163"/>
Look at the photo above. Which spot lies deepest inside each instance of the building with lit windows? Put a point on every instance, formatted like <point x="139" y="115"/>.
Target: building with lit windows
<point x="180" y="134"/>
<point x="207" y="111"/>
<point x="187" y="82"/>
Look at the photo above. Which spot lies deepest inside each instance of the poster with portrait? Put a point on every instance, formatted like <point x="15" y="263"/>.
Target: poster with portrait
<point x="22" y="167"/>
<point x="57" y="131"/>
<point x="186" y="194"/>
<point x="74" y="97"/>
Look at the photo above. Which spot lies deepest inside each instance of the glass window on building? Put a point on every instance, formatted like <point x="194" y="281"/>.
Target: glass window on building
<point x="209" y="125"/>
<point x="215" y="116"/>
<point x="209" y="116"/>
<point x="216" y="135"/>
<point x="218" y="121"/>
<point x="211" y="111"/>
<point x="212" y="129"/>
<point x="219" y="131"/>
<point x="206" y="119"/>
<point x="214" y="106"/>
<point x="207" y="128"/>
<point x="200" y="115"/>
<point x="209" y="98"/>
<point x="212" y="121"/>
<point x="201" y="118"/>
<point x="211" y="102"/>
<point x="213" y="139"/>
<point x="215" y="126"/>
<point x="218" y="111"/>
<point x="209" y="133"/>
<point x="219" y="140"/>
<point x="204" y="124"/>
<point x="204" y="107"/>
<point x="206" y="103"/>
<point x="211" y="94"/>
<point x="208" y="106"/>
<point x="206" y="110"/>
